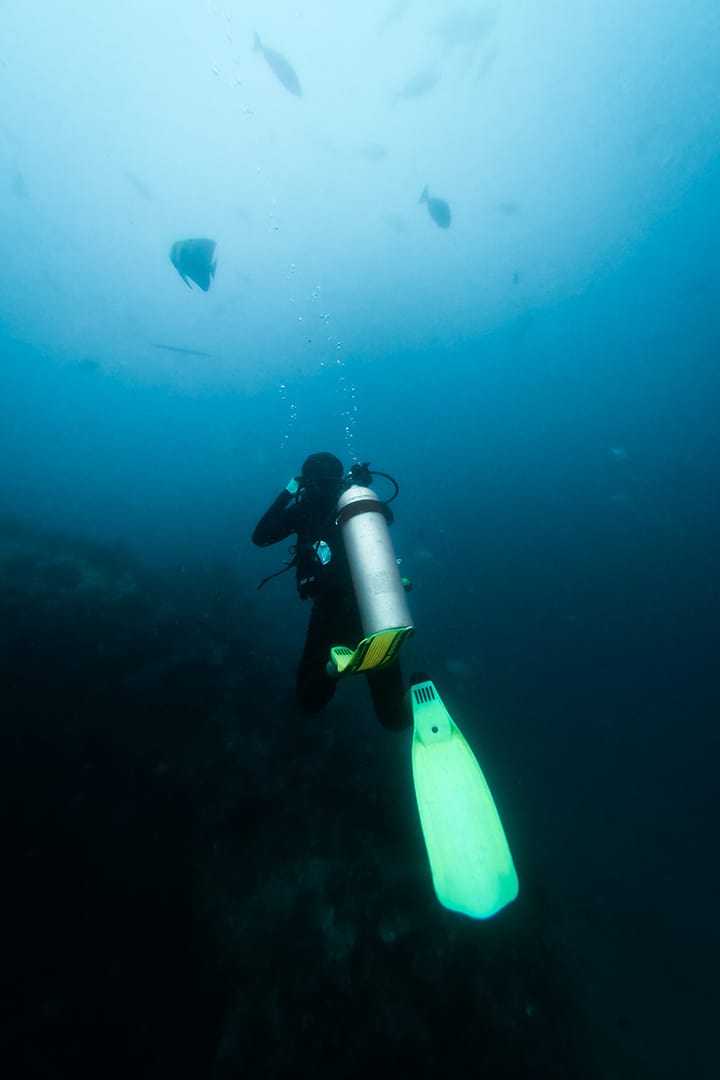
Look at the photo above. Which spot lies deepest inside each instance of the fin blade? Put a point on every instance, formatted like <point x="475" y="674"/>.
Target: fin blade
<point x="471" y="864"/>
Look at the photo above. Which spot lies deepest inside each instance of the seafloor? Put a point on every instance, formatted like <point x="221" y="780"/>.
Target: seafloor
<point x="197" y="881"/>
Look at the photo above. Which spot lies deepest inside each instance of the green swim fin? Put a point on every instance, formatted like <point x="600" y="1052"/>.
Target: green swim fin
<point x="471" y="864"/>
<point x="376" y="651"/>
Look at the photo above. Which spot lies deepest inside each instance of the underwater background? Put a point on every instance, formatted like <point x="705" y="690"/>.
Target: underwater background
<point x="198" y="880"/>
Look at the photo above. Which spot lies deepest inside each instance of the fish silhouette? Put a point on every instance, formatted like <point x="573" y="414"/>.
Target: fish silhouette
<point x="281" y="68"/>
<point x="194" y="259"/>
<point x="438" y="209"/>
<point x="179" y="349"/>
<point x="420" y="84"/>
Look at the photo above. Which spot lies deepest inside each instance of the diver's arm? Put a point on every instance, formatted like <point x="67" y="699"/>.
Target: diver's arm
<point x="277" y="522"/>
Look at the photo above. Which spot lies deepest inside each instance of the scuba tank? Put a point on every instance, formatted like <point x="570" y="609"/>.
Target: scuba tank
<point x="376" y="579"/>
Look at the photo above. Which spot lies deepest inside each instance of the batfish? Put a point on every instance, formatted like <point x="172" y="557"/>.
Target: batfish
<point x="438" y="209"/>
<point x="281" y="68"/>
<point x="194" y="259"/>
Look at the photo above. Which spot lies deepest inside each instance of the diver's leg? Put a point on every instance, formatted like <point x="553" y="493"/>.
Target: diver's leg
<point x="313" y="686"/>
<point x="387" y="691"/>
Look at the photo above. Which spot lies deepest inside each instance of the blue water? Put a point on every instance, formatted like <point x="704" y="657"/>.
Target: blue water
<point x="542" y="378"/>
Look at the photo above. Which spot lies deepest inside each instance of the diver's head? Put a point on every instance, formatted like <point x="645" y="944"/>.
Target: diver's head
<point x="323" y="477"/>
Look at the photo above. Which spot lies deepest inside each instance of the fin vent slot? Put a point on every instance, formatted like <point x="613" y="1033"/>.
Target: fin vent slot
<point x="423" y="694"/>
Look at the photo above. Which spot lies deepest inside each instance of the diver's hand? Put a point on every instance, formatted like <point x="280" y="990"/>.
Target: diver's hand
<point x="360" y="473"/>
<point x="293" y="485"/>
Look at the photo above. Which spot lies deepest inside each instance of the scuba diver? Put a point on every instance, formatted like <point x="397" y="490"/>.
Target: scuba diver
<point x="345" y="563"/>
<point x="308" y="508"/>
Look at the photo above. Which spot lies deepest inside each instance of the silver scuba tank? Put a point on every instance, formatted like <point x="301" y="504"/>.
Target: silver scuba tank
<point x="375" y="574"/>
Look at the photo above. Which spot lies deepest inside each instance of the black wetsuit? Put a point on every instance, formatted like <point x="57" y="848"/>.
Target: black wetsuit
<point x="334" y="619"/>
